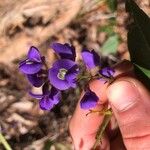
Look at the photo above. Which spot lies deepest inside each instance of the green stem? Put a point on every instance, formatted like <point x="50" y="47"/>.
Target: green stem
<point x="84" y="77"/>
<point x="4" y="142"/>
<point x="101" y="130"/>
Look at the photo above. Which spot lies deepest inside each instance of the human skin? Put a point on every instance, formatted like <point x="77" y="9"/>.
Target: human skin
<point x="130" y="102"/>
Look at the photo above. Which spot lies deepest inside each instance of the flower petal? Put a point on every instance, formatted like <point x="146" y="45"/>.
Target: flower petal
<point x="107" y="72"/>
<point x="55" y="95"/>
<point x="63" y="63"/>
<point x="96" y="58"/>
<point x="72" y="75"/>
<point x="29" y="67"/>
<point x="55" y="81"/>
<point x="34" y="54"/>
<point x="37" y="96"/>
<point x="65" y="51"/>
<point x="35" y="80"/>
<point x="89" y="100"/>
<point x="90" y="58"/>
<point x="46" y="103"/>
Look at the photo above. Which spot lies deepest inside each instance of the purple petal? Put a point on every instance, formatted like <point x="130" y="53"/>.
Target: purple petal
<point x="65" y="51"/>
<point x="35" y="79"/>
<point x="73" y="70"/>
<point x="37" y="96"/>
<point x="96" y="58"/>
<point x="64" y="63"/>
<point x="107" y="72"/>
<point x="91" y="59"/>
<point x="23" y="62"/>
<point x="70" y="66"/>
<point x="55" y="81"/>
<point x="71" y="77"/>
<point x="34" y="54"/>
<point x="29" y="67"/>
<point x="46" y="103"/>
<point x="55" y="95"/>
<point x="89" y="100"/>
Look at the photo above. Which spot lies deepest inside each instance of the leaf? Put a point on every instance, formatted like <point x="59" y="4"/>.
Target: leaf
<point x="144" y="70"/>
<point x="48" y="144"/>
<point x="139" y="35"/>
<point x="142" y="76"/>
<point x="112" y="4"/>
<point x="109" y="28"/>
<point x="110" y="45"/>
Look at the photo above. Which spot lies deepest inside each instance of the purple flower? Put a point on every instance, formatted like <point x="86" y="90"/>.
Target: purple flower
<point x="33" y="63"/>
<point x="90" y="58"/>
<point x="65" y="51"/>
<point x="37" y="79"/>
<point x="89" y="100"/>
<point x="49" y="98"/>
<point x="107" y="72"/>
<point x="63" y="74"/>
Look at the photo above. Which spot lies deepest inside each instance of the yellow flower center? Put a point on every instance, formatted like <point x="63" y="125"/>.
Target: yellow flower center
<point x="61" y="74"/>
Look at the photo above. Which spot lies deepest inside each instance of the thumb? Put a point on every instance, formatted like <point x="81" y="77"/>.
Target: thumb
<point x="130" y="102"/>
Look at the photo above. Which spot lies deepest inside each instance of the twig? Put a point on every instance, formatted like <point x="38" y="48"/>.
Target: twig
<point x="4" y="142"/>
<point x="102" y="128"/>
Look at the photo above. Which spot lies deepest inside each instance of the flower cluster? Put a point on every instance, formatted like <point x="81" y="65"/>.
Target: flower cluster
<point x="63" y="74"/>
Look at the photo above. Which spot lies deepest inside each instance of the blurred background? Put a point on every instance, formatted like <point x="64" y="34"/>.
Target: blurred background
<point x="95" y="24"/>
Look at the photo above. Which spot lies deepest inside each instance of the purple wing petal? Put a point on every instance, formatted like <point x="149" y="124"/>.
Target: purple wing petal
<point x="65" y="51"/>
<point x="37" y="96"/>
<point x="89" y="100"/>
<point x="91" y="59"/>
<point x="96" y="58"/>
<point x="55" y="81"/>
<point x="29" y="67"/>
<point x="107" y="72"/>
<point x="55" y="95"/>
<point x="35" y="80"/>
<point x="71" y="79"/>
<point x="72" y="75"/>
<point x="34" y="54"/>
<point x="64" y="63"/>
<point x="46" y="103"/>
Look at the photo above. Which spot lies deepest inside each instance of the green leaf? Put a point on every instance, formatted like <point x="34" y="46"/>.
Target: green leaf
<point x="144" y="70"/>
<point x="48" y="144"/>
<point x="112" y="4"/>
<point x="107" y="29"/>
<point x="139" y="35"/>
<point x="110" y="45"/>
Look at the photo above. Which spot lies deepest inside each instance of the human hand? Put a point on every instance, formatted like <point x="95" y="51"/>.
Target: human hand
<point x="130" y="102"/>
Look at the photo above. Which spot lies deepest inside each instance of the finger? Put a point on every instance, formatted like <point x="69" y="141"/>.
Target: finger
<point x="130" y="102"/>
<point x="83" y="128"/>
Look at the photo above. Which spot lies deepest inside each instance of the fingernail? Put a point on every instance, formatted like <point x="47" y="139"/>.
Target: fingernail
<point x="123" y="95"/>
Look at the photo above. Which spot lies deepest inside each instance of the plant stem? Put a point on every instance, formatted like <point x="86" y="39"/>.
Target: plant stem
<point x="4" y="142"/>
<point x="101" y="130"/>
<point x="83" y="77"/>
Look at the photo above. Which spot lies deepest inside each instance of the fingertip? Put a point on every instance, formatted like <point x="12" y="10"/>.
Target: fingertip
<point x="123" y="94"/>
<point x="100" y="90"/>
